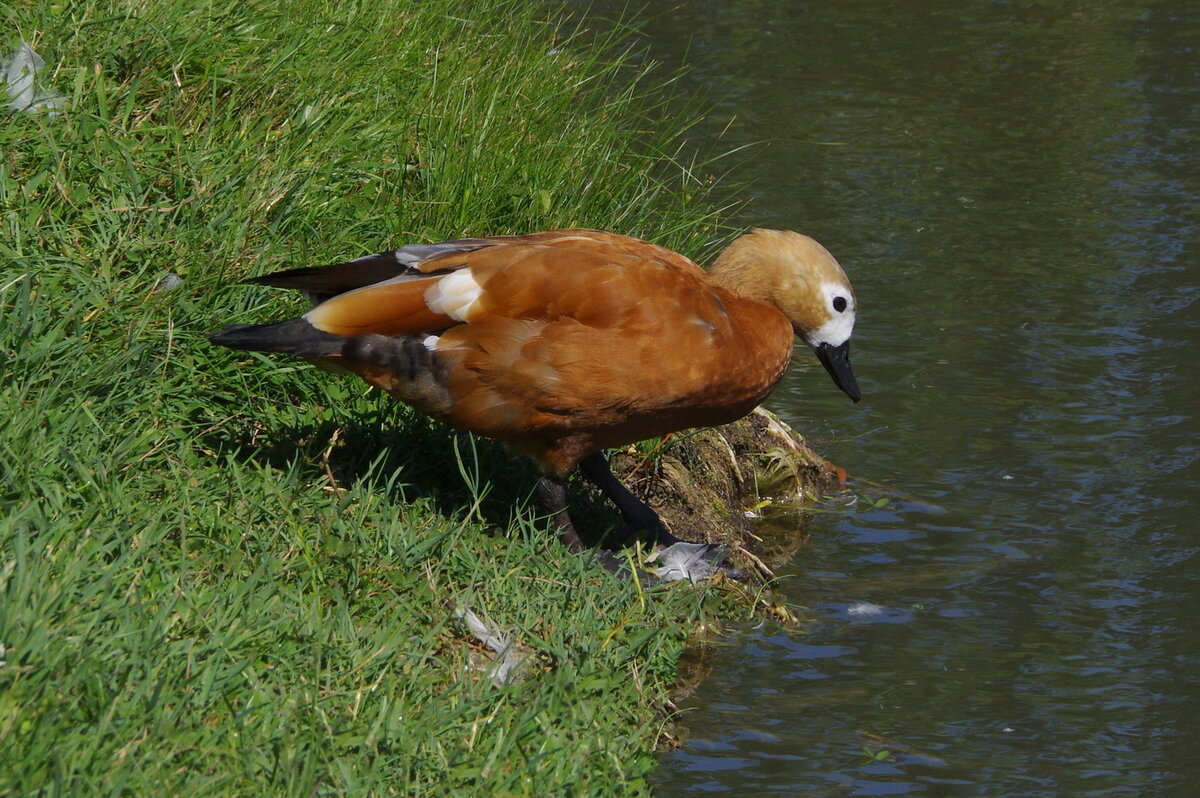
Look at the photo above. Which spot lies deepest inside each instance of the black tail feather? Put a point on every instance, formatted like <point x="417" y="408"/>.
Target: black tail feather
<point x="420" y="375"/>
<point x="293" y="337"/>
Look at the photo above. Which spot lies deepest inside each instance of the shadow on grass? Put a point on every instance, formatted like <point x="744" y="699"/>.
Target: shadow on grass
<point x="418" y="459"/>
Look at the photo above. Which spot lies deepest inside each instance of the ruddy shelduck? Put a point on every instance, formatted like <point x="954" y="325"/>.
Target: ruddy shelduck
<point x="563" y="343"/>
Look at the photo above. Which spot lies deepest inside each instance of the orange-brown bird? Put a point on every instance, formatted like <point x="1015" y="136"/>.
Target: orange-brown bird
<point x="563" y="343"/>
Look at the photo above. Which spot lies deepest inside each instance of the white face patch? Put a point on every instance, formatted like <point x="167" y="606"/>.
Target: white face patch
<point x="455" y="295"/>
<point x="430" y="342"/>
<point x="839" y="310"/>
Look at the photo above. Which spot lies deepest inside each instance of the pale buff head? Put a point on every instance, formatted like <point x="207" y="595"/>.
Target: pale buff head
<point x="797" y="275"/>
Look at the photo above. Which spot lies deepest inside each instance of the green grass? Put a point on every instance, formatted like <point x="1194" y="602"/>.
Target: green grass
<point x="228" y="574"/>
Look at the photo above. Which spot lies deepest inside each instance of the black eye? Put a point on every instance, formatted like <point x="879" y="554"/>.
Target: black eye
<point x="839" y="303"/>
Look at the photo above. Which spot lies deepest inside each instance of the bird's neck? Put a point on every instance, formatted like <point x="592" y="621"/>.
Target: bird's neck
<point x="738" y="275"/>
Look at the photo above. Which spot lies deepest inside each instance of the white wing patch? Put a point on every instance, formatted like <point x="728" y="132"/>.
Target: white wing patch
<point x="456" y="295"/>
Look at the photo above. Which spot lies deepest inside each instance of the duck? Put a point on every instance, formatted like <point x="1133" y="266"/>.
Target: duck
<point x="565" y="343"/>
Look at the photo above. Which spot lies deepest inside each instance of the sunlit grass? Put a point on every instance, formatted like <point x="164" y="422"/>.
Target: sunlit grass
<point x="231" y="574"/>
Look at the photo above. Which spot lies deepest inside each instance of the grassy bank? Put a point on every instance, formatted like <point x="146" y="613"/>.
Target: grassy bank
<point x="222" y="574"/>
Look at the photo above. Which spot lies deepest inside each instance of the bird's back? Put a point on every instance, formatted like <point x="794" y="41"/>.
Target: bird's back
<point x="553" y="342"/>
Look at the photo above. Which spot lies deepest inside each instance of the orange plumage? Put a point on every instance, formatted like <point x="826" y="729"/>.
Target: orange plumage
<point x="563" y="343"/>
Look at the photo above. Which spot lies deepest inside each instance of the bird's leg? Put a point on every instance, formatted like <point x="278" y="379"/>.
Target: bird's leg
<point x="680" y="559"/>
<point x="552" y="495"/>
<point x="637" y="514"/>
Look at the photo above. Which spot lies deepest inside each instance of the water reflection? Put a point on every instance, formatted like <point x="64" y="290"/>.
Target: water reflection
<point x="1013" y="189"/>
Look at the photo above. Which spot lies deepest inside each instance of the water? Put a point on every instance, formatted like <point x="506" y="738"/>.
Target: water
<point x="1013" y="189"/>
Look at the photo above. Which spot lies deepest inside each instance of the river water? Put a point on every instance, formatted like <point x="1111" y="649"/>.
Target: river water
<point x="1013" y="189"/>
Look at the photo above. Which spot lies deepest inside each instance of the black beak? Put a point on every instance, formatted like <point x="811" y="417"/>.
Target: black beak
<point x="836" y="360"/>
